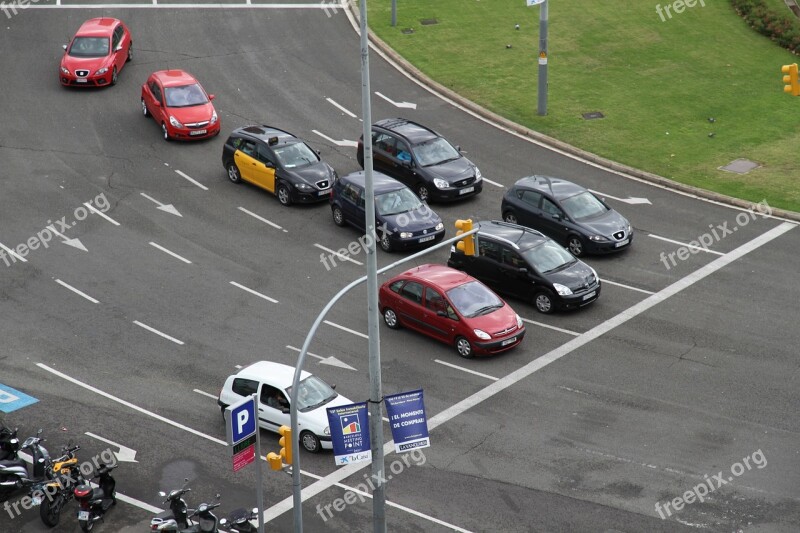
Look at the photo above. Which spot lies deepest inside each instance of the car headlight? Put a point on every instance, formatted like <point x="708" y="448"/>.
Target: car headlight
<point x="304" y="187"/>
<point x="101" y="71"/>
<point x="64" y="70"/>
<point x="174" y="122"/>
<point x="629" y="229"/>
<point x="597" y="238"/>
<point x="406" y="234"/>
<point x="440" y="183"/>
<point x="595" y="274"/>
<point x="439" y="227"/>
<point x="519" y="322"/>
<point x="214" y="117"/>
<point x="562" y="290"/>
<point x="478" y="175"/>
<point x="327" y="430"/>
<point x="481" y="334"/>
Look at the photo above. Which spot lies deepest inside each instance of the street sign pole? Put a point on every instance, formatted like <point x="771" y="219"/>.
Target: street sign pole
<point x="542" y="92"/>
<point x="259" y="475"/>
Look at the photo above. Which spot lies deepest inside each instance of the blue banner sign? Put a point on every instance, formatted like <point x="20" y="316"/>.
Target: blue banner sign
<point x="407" y="419"/>
<point x="12" y="399"/>
<point x="350" y="433"/>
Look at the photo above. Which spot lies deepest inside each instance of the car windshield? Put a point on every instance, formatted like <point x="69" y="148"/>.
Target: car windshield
<point x="395" y="202"/>
<point x="185" y="95"/>
<point x="295" y="155"/>
<point x="583" y="206"/>
<point x="435" y="152"/>
<point x="474" y="299"/>
<point x="312" y="393"/>
<point x="89" y="47"/>
<point x="548" y="256"/>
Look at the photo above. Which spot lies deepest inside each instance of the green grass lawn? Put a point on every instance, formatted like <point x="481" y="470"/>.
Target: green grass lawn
<point x="657" y="83"/>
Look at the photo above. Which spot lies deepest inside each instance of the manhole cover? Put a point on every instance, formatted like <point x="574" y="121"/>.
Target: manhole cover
<point x="740" y="166"/>
<point x="428" y="22"/>
<point x="407" y="30"/>
<point x="593" y="115"/>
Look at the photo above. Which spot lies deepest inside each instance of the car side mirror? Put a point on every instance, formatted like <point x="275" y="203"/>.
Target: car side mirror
<point x="269" y="164"/>
<point x="333" y="386"/>
<point x="522" y="270"/>
<point x="64" y="46"/>
<point x="285" y="410"/>
<point x="440" y="313"/>
<point x="556" y="216"/>
<point x="458" y="147"/>
<point x="211" y="97"/>
<point x="118" y="48"/>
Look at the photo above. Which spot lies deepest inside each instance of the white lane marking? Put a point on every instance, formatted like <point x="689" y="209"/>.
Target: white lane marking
<point x="494" y="183"/>
<point x="13" y="253"/>
<point x="155" y="4"/>
<point x="129" y="404"/>
<point x="604" y="280"/>
<point x="343" y="142"/>
<point x="451" y="365"/>
<point x="154" y="330"/>
<point x="548" y="326"/>
<point x="168" y="208"/>
<point x="337" y="254"/>
<point x="204" y="393"/>
<point x="186" y="176"/>
<point x="341" y="108"/>
<point x="354" y="332"/>
<point x="76" y="291"/>
<point x="125" y="454"/>
<point x="262" y="219"/>
<point x="256" y="293"/>
<point x="699" y="248"/>
<point x="75" y="243"/>
<point x="96" y="211"/>
<point x="537" y="364"/>
<point x="332" y="361"/>
<point x="407" y="105"/>
<point x="173" y="254"/>
<point x="629" y="200"/>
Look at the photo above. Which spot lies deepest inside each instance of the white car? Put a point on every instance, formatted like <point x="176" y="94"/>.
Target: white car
<point x="273" y="383"/>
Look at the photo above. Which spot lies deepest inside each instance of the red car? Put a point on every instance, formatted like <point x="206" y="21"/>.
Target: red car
<point x="180" y="105"/>
<point x="97" y="54"/>
<point x="453" y="307"/>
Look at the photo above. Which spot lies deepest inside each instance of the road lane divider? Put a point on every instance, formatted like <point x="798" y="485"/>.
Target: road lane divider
<point x="76" y="291"/>
<point x="256" y="293"/>
<point x="173" y="254"/>
<point x="262" y="219"/>
<point x="160" y="333"/>
<point x="467" y="370"/>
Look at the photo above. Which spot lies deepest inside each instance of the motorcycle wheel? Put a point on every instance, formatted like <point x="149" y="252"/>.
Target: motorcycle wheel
<point x="86" y="525"/>
<point x="50" y="511"/>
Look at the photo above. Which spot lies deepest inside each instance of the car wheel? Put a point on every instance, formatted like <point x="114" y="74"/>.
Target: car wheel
<point x="145" y="112"/>
<point x="164" y="131"/>
<point x="390" y="318"/>
<point x="422" y="192"/>
<point x="575" y="245"/>
<point x="510" y="217"/>
<point x="543" y="300"/>
<point x="338" y="216"/>
<point x="463" y="347"/>
<point x="284" y="195"/>
<point x="310" y="442"/>
<point x="114" y="76"/>
<point x="233" y="173"/>
<point x="130" y="54"/>
<point x="386" y="243"/>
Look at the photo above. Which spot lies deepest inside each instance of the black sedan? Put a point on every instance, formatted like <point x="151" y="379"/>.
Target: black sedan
<point x="568" y="213"/>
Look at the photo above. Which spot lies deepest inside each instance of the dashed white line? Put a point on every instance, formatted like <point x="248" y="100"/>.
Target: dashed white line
<point x="604" y="280"/>
<point x="451" y="365"/>
<point x="13" y="253"/>
<point x="262" y="219"/>
<point x="494" y="183"/>
<point x="256" y="293"/>
<point x="343" y="142"/>
<point x="96" y="211"/>
<point x="690" y="246"/>
<point x="548" y="326"/>
<point x="154" y="330"/>
<point x="173" y="254"/>
<point x="339" y="255"/>
<point x="76" y="291"/>
<point x="341" y="108"/>
<point x="204" y="393"/>
<point x="354" y="332"/>
<point x="183" y="174"/>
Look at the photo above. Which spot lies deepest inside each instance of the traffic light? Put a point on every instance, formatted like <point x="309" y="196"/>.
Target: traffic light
<point x="467" y="244"/>
<point x="276" y="461"/>
<point x="790" y="79"/>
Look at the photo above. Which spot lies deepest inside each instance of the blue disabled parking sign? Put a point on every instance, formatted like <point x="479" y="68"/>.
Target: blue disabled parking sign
<point x="12" y="399"/>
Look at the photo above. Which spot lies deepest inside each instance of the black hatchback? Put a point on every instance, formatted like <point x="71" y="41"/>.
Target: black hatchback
<point x="568" y="213"/>
<point x="422" y="159"/>
<point x="402" y="220"/>
<point x="524" y="263"/>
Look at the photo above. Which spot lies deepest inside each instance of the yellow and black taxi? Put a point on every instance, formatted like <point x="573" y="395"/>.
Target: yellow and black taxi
<point x="278" y="162"/>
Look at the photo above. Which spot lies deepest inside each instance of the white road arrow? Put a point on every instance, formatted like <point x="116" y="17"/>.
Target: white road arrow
<point x="125" y="454"/>
<point x="344" y="142"/>
<point x="326" y="360"/>
<point x="75" y="243"/>
<point x="407" y="105"/>
<point x="169" y="208"/>
<point x="629" y="200"/>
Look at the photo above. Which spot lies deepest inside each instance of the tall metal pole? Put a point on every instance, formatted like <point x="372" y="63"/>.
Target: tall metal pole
<point x="373" y="325"/>
<point x="394" y="13"/>
<point x="543" y="59"/>
<point x="259" y="475"/>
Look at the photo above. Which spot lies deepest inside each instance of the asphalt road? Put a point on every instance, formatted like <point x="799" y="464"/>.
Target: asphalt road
<point x="668" y="382"/>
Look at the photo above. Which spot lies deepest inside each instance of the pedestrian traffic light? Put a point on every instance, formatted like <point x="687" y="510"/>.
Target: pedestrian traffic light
<point x="467" y="244"/>
<point x="277" y="460"/>
<point x="790" y="79"/>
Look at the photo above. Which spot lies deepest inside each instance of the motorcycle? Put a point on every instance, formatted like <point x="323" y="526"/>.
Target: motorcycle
<point x="9" y="443"/>
<point x="238" y="521"/>
<point x="178" y="510"/>
<point x="206" y="520"/>
<point x="64" y="474"/>
<point x="14" y="473"/>
<point x="94" y="503"/>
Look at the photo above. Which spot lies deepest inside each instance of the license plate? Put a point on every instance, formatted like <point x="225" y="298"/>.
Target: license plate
<point x="323" y="193"/>
<point x="83" y="515"/>
<point x="590" y="295"/>
<point x="198" y="132"/>
<point x="428" y="238"/>
<point x="80" y="80"/>
<point x="466" y="190"/>
<point x="506" y="342"/>
<point x="622" y="243"/>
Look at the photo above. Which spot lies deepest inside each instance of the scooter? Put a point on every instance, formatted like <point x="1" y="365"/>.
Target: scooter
<point x="178" y="510"/>
<point x="238" y="521"/>
<point x="206" y="520"/>
<point x="94" y="503"/>
<point x="14" y="473"/>
<point x="64" y="475"/>
<point x="9" y="443"/>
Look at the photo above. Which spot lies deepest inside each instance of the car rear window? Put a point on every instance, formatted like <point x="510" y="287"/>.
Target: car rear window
<point x="244" y="387"/>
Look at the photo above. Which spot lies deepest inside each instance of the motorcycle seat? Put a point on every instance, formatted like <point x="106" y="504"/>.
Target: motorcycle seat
<point x="10" y="463"/>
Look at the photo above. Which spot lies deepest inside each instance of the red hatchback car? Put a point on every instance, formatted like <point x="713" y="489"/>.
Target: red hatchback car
<point x="180" y="105"/>
<point x="96" y="54"/>
<point x="453" y="307"/>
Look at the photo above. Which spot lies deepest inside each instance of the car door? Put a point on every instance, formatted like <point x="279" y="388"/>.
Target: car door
<point x="438" y="315"/>
<point x="271" y="415"/>
<point x="384" y="147"/>
<point x="515" y="278"/>
<point x="487" y="262"/>
<point x="529" y="212"/>
<point x="251" y="168"/>
<point x="353" y="206"/>
<point x="154" y="99"/>
<point x="553" y="220"/>
<point x="409" y="307"/>
<point x="266" y="168"/>
<point x="116" y="39"/>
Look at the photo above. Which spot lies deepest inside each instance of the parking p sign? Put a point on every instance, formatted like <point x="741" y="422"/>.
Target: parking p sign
<point x="241" y="428"/>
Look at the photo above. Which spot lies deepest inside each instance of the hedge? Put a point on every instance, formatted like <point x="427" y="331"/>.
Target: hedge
<point x="782" y="28"/>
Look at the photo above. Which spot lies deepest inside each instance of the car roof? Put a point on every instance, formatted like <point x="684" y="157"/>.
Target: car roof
<point x="174" y="78"/>
<point x="556" y="187"/>
<point x="380" y="182"/>
<point x="440" y="276"/>
<point x="413" y="132"/>
<point x="520" y="236"/>
<point x="97" y="27"/>
<point x="269" y="370"/>
<point x="265" y="133"/>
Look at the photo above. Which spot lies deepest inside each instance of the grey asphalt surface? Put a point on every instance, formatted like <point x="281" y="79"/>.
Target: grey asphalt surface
<point x="670" y="396"/>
